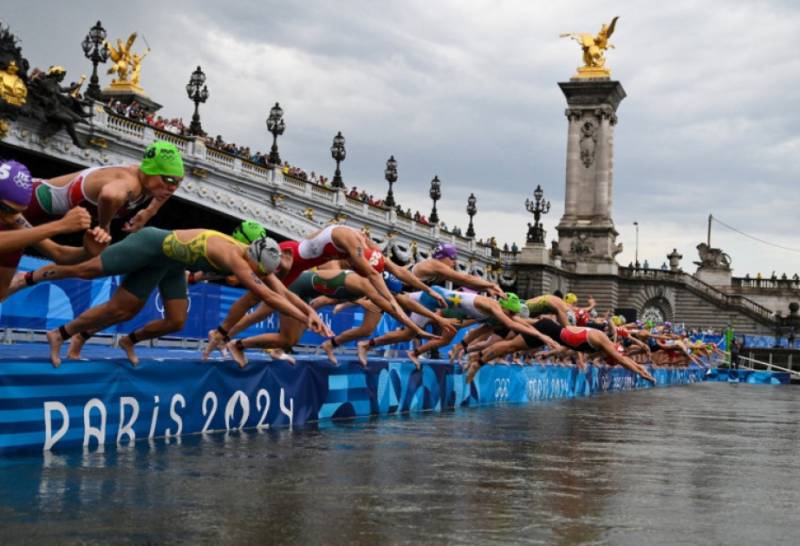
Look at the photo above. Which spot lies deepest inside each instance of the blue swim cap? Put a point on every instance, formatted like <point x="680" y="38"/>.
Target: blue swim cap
<point x="394" y="284"/>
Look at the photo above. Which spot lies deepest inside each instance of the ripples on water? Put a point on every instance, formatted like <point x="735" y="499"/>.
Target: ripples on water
<point x="705" y="464"/>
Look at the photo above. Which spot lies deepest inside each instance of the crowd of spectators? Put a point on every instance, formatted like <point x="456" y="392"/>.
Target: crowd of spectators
<point x="134" y="111"/>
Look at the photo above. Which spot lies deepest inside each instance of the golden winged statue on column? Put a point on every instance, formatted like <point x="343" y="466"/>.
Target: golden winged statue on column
<point x="593" y="48"/>
<point x="125" y="62"/>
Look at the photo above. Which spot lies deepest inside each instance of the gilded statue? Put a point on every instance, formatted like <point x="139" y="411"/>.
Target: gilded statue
<point x="593" y="47"/>
<point x="12" y="89"/>
<point x="126" y="63"/>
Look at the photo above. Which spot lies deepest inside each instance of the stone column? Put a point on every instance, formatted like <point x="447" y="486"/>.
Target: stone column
<point x="573" y="158"/>
<point x="587" y="237"/>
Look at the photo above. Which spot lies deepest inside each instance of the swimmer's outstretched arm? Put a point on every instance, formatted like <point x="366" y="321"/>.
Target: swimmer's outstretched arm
<point x="261" y="312"/>
<point x="415" y="307"/>
<point x="313" y="320"/>
<point x="412" y="280"/>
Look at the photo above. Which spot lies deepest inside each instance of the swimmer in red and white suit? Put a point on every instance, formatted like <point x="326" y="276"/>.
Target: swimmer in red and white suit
<point x="332" y="243"/>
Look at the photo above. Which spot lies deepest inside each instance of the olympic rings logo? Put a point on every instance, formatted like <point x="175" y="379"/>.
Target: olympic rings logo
<point x="159" y="304"/>
<point x="501" y="386"/>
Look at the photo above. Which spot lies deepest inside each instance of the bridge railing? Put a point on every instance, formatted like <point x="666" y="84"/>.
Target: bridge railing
<point x="779" y="284"/>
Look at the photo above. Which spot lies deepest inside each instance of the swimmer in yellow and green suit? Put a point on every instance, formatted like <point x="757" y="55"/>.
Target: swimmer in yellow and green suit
<point x="156" y="257"/>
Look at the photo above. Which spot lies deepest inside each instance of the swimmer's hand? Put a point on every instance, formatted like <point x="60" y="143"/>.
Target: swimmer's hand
<point x="95" y="240"/>
<point x="76" y="219"/>
<point x="137" y="222"/>
<point x="447" y="328"/>
<point x="496" y="291"/>
<point x="550" y="343"/>
<point x="438" y="297"/>
<point x="315" y="324"/>
<point x="427" y="335"/>
<point x="99" y="235"/>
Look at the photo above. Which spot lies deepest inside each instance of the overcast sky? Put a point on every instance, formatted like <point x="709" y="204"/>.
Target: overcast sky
<point x="467" y="90"/>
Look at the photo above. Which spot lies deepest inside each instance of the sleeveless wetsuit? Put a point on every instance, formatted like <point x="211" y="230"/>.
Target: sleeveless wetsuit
<point x="319" y="250"/>
<point x="539" y="306"/>
<point x="460" y="305"/>
<point x="156" y="257"/>
<point x="578" y="341"/>
<point x="310" y="253"/>
<point x="55" y="201"/>
<point x="310" y="284"/>
<point x="50" y="202"/>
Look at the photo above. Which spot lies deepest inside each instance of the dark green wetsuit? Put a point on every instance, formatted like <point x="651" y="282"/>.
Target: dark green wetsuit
<point x="310" y="284"/>
<point x="156" y="257"/>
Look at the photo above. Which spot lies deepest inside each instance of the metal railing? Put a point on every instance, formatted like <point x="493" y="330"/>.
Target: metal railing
<point x="768" y="366"/>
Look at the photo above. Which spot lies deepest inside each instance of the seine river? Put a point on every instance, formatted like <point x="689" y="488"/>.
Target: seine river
<point x="705" y="464"/>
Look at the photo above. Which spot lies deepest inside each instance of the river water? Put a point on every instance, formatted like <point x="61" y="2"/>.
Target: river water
<point x="702" y="464"/>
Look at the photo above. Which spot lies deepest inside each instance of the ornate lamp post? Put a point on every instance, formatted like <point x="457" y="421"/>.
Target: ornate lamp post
<point x="94" y="49"/>
<point x="436" y="194"/>
<point x="338" y="153"/>
<point x="537" y="207"/>
<point x="276" y="126"/>
<point x="391" y="177"/>
<point x="636" y="246"/>
<point x="198" y="92"/>
<point x="472" y="210"/>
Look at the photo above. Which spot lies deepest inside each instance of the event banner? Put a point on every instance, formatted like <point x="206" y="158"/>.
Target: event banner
<point x="98" y="402"/>
<point x="753" y="377"/>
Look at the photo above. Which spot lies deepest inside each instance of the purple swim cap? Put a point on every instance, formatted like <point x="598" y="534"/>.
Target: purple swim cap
<point x="15" y="183"/>
<point x="445" y="250"/>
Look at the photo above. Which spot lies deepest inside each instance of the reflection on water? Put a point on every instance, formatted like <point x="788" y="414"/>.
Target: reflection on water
<point x="706" y="464"/>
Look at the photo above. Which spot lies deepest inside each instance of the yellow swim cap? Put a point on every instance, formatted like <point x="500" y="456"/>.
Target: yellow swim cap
<point x="571" y="298"/>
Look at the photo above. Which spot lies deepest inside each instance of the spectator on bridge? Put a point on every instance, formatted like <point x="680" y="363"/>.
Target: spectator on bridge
<point x="514" y="248"/>
<point x="664" y="266"/>
<point x="645" y="265"/>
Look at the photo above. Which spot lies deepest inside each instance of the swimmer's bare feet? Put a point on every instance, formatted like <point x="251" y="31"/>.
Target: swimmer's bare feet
<point x="236" y="353"/>
<point x="215" y="341"/>
<point x="126" y="345"/>
<point x="76" y="344"/>
<point x="362" y="349"/>
<point x="412" y="356"/>
<point x="327" y="346"/>
<point x="55" y="341"/>
<point x="280" y="354"/>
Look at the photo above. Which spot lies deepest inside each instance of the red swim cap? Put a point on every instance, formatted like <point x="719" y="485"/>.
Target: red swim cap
<point x="375" y="259"/>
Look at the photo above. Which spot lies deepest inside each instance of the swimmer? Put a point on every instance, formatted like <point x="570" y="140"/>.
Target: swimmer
<point x="16" y="233"/>
<point x="155" y="257"/>
<point x="585" y="340"/>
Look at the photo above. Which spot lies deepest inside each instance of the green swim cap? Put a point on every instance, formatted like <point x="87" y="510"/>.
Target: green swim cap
<point x="510" y="302"/>
<point x="162" y="158"/>
<point x="248" y="231"/>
